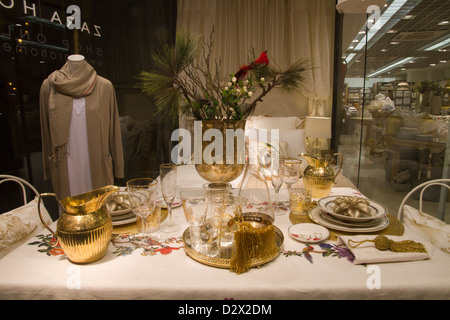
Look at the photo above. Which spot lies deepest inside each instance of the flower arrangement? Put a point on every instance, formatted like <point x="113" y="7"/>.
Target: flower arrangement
<point x="186" y="80"/>
<point x="428" y="87"/>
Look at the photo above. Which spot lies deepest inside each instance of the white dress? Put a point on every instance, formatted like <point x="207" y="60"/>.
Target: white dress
<point x="78" y="165"/>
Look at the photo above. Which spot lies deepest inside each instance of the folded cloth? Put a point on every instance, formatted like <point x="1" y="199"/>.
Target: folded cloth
<point x="430" y="228"/>
<point x="366" y="252"/>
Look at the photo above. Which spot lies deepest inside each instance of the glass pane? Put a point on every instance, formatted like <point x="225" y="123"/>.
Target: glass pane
<point x="395" y="98"/>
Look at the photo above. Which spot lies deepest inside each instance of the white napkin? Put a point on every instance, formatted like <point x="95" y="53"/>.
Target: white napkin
<point x="430" y="228"/>
<point x="368" y="253"/>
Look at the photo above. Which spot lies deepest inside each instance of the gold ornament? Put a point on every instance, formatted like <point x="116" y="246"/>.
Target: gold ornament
<point x="352" y="206"/>
<point x="384" y="243"/>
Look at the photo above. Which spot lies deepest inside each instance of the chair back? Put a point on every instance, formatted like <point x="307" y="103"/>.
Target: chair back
<point x="423" y="186"/>
<point x="21" y="182"/>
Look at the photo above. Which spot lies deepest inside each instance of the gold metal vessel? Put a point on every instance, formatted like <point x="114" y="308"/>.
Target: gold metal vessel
<point x="319" y="176"/>
<point x="84" y="228"/>
<point x="224" y="259"/>
<point x="223" y="170"/>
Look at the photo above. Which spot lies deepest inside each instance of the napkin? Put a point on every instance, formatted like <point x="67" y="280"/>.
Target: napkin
<point x="368" y="253"/>
<point x="430" y="228"/>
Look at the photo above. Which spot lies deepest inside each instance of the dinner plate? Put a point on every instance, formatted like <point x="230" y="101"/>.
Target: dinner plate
<point x="316" y="216"/>
<point x="377" y="210"/>
<point x="363" y="224"/>
<point x="176" y="202"/>
<point x="308" y="232"/>
<point x="123" y="219"/>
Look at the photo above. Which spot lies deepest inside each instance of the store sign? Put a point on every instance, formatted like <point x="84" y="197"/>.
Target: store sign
<point x="73" y="21"/>
<point x="40" y="36"/>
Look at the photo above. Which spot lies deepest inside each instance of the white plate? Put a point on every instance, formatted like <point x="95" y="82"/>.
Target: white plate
<point x="377" y="210"/>
<point x="362" y="224"/>
<point x="316" y="215"/>
<point x="308" y="232"/>
<point x="124" y="219"/>
<point x="176" y="203"/>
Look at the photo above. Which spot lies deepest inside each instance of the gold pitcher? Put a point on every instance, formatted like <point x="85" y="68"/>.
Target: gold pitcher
<point x="319" y="176"/>
<point x="84" y="228"/>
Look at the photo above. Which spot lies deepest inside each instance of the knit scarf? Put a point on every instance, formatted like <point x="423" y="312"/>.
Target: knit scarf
<point x="64" y="88"/>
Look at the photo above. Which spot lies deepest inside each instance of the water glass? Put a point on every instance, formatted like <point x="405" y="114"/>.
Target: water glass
<point x="142" y="197"/>
<point x="168" y="176"/>
<point x="216" y="194"/>
<point x="299" y="200"/>
<point x="291" y="171"/>
<point x="195" y="209"/>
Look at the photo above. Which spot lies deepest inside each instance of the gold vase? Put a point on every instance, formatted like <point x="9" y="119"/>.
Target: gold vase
<point x="84" y="228"/>
<point x="319" y="176"/>
<point x="222" y="150"/>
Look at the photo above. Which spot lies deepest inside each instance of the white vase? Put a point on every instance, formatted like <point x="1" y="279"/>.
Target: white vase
<point x="435" y="105"/>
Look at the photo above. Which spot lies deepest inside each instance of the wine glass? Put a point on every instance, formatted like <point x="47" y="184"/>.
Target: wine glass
<point x="291" y="171"/>
<point x="142" y="197"/>
<point x="168" y="176"/>
<point x="277" y="176"/>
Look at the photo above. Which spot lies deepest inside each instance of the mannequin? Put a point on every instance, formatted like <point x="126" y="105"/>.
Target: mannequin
<point x="75" y="61"/>
<point x="80" y="129"/>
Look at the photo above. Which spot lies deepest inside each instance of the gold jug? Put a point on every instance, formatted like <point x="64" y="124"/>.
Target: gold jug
<point x="84" y="228"/>
<point x="319" y="176"/>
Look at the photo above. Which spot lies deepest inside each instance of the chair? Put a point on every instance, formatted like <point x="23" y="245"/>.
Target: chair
<point x="425" y="185"/>
<point x="21" y="182"/>
<point x="20" y="224"/>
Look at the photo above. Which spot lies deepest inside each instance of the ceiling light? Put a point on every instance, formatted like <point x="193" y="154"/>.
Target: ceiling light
<point x="391" y="31"/>
<point x="395" y="42"/>
<point x="439" y="45"/>
<point x="442" y="23"/>
<point x="409" y="17"/>
<point x="383" y="50"/>
<point x="385" y="17"/>
<point x="350" y="57"/>
<point x="432" y="64"/>
<point x="443" y="61"/>
<point x="403" y="69"/>
<point x="391" y="66"/>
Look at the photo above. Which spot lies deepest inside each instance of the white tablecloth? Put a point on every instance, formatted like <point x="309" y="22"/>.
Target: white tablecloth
<point x="164" y="271"/>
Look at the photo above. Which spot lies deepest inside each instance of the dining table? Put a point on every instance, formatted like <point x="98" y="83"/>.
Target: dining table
<point x="159" y="268"/>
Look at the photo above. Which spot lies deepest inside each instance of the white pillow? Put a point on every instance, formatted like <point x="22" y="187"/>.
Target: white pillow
<point x="291" y="141"/>
<point x="20" y="222"/>
<point x="432" y="229"/>
<point x="263" y="122"/>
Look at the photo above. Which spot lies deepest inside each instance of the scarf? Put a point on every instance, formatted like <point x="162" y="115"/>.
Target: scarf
<point x="64" y="88"/>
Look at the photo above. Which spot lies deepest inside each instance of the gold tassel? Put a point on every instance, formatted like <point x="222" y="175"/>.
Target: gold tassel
<point x="383" y="243"/>
<point x="251" y="243"/>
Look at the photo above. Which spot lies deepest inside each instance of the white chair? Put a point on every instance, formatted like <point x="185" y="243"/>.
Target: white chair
<point x="425" y="185"/>
<point x="21" y="182"/>
<point x="22" y="223"/>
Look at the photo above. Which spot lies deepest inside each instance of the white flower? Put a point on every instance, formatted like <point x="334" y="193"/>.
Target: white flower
<point x="262" y="79"/>
<point x="226" y="88"/>
<point x="229" y="84"/>
<point x="234" y="79"/>
<point x="246" y="82"/>
<point x="245" y="89"/>
<point x="250" y="93"/>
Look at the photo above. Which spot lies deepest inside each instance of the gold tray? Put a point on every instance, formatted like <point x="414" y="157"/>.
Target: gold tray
<point x="225" y="263"/>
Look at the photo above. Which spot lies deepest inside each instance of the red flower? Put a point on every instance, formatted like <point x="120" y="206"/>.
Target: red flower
<point x="166" y="250"/>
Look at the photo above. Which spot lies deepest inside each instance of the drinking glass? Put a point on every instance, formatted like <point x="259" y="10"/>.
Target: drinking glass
<point x="216" y="194"/>
<point x="291" y="171"/>
<point x="142" y="197"/>
<point x="195" y="209"/>
<point x="168" y="177"/>
<point x="299" y="200"/>
<point x="277" y="176"/>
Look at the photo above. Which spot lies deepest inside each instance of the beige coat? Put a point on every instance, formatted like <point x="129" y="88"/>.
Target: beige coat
<point x="102" y="120"/>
